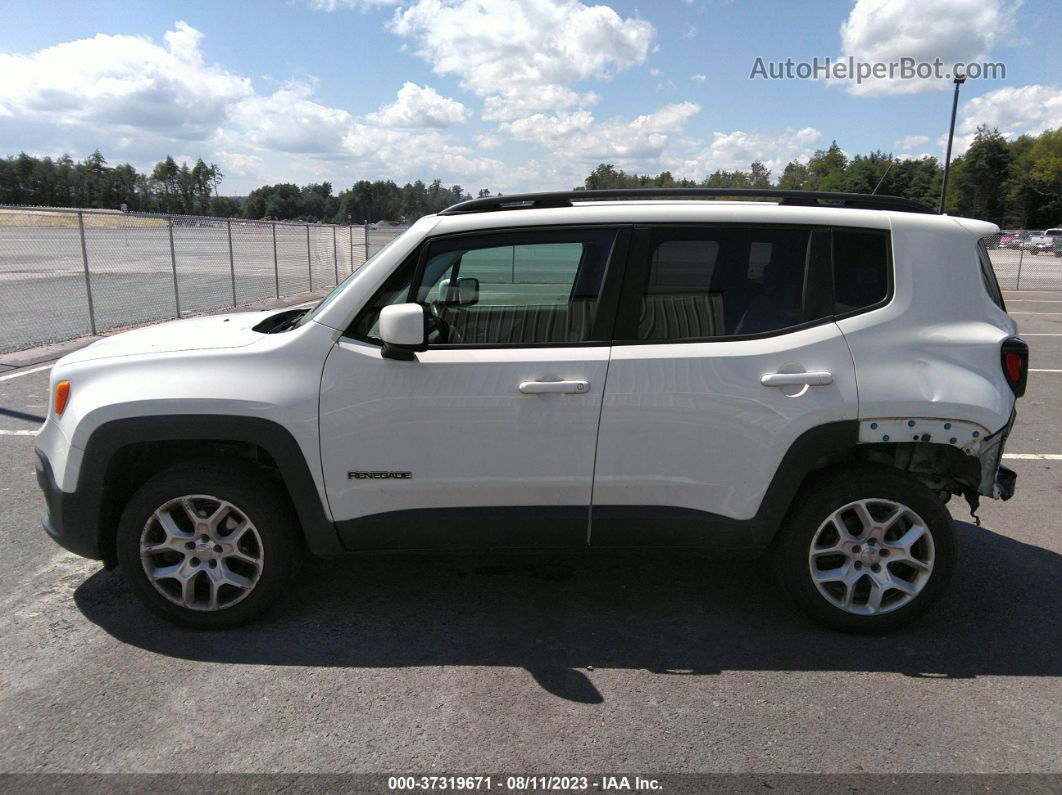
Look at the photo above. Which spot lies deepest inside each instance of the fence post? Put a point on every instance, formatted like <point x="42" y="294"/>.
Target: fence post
<point x="309" y="262"/>
<point x="335" y="252"/>
<point x="173" y="264"/>
<point x="1021" y="256"/>
<point x="350" y="237"/>
<point x="366" y="228"/>
<point x="276" y="269"/>
<point x="88" y="280"/>
<point x="232" y="263"/>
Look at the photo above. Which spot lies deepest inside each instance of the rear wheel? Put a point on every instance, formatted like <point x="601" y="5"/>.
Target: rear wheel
<point x="208" y="545"/>
<point x="866" y="550"/>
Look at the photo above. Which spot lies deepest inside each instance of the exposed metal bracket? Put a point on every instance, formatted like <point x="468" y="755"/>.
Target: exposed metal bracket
<point x="967" y="436"/>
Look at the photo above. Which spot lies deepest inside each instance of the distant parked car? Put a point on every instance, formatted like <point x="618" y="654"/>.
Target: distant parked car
<point x="1006" y="239"/>
<point x="1043" y="242"/>
<point x="1020" y="239"/>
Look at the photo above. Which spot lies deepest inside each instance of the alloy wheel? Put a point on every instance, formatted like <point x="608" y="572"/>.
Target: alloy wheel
<point x="201" y="552"/>
<point x="871" y="556"/>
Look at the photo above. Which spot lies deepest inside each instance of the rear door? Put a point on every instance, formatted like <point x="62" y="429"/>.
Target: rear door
<point x="726" y="351"/>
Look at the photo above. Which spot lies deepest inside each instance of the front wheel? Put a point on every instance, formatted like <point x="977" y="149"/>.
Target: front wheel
<point x="208" y="545"/>
<point x="866" y="550"/>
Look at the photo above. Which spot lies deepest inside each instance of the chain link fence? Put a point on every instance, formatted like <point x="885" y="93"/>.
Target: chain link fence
<point x="1025" y="260"/>
<point x="67" y="273"/>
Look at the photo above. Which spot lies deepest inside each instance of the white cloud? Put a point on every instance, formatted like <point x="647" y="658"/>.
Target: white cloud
<point x="1014" y="110"/>
<point x="420" y="106"/>
<point x="137" y="100"/>
<point x="122" y="84"/>
<point x="737" y="149"/>
<point x="291" y="120"/>
<point x="698" y="78"/>
<point x="911" y="141"/>
<point x="953" y="30"/>
<point x="577" y="140"/>
<point x="335" y="5"/>
<point x="523" y="55"/>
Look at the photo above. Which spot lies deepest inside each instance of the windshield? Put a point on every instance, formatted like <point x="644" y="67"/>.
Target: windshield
<point x="338" y="289"/>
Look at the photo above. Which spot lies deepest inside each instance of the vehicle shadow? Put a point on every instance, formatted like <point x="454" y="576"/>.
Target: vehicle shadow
<point x="669" y="614"/>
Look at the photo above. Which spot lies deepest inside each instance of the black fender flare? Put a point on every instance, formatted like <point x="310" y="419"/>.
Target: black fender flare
<point x="110" y="437"/>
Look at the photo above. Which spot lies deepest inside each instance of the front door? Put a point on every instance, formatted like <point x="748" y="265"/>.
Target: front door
<point x="487" y="439"/>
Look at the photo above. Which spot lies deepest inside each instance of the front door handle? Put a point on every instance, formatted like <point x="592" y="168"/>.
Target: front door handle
<point x="817" y="378"/>
<point x="554" y="387"/>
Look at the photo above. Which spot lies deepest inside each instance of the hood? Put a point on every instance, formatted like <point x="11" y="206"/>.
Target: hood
<point x="194" y="334"/>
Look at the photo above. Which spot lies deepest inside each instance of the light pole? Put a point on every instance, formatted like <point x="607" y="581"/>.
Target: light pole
<point x="959" y="79"/>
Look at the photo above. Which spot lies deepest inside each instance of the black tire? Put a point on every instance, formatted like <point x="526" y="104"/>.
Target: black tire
<point x="258" y="497"/>
<point x="819" y="500"/>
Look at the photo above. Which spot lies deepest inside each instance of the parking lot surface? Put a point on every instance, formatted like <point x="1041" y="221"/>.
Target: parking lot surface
<point x="544" y="665"/>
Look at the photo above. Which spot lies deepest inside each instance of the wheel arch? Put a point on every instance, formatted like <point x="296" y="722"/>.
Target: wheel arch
<point x="122" y="454"/>
<point x="827" y="448"/>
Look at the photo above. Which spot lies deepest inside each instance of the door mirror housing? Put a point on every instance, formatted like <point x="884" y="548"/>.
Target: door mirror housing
<point x="465" y="292"/>
<point x="403" y="331"/>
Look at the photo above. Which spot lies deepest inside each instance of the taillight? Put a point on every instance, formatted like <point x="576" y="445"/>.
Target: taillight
<point x="1015" y="360"/>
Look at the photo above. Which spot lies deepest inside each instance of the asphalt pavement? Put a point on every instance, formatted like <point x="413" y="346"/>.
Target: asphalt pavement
<point x="647" y="664"/>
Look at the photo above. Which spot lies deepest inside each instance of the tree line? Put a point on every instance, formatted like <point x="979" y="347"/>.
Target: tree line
<point x="193" y="190"/>
<point x="1014" y="183"/>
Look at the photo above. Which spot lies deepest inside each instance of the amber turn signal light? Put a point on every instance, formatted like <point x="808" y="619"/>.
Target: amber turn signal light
<point x="62" y="395"/>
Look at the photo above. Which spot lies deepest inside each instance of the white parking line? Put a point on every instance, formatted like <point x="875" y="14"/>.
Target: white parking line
<point x="1033" y="456"/>
<point x="1043" y="334"/>
<point x="21" y="373"/>
<point x="1044" y="371"/>
<point x="1034" y="313"/>
<point x="19" y="433"/>
<point x="1033" y="301"/>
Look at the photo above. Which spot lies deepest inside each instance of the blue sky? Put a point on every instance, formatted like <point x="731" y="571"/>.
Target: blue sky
<point x="503" y="94"/>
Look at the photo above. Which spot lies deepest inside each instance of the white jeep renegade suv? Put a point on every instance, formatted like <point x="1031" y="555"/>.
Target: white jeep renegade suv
<point x="810" y="377"/>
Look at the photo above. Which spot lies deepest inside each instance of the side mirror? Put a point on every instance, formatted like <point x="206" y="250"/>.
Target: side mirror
<point x="465" y="292"/>
<point x="403" y="330"/>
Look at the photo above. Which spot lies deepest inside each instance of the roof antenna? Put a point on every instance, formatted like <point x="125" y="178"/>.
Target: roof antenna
<point x="891" y="164"/>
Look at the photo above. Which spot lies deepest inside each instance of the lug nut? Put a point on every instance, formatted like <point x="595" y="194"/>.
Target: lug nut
<point x="195" y="561"/>
<point x="858" y="565"/>
<point x="872" y="541"/>
<point x="189" y="545"/>
<point x="884" y="553"/>
<point x="213" y="564"/>
<point x="204" y="537"/>
<point x="875" y="567"/>
<point x="855" y="548"/>
<point x="217" y="547"/>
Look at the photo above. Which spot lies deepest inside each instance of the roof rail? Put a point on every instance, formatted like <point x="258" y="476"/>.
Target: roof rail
<point x="803" y="198"/>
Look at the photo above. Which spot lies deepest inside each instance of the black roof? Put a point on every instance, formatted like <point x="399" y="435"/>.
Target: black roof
<point x="801" y="198"/>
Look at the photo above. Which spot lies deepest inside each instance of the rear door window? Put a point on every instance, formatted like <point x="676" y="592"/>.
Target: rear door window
<point x="724" y="281"/>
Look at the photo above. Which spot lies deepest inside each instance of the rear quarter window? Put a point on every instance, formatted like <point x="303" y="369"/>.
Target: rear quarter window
<point x="860" y="268"/>
<point x="988" y="275"/>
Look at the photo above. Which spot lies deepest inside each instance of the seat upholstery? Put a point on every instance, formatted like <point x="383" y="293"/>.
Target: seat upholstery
<point x="509" y="325"/>
<point x="669" y="316"/>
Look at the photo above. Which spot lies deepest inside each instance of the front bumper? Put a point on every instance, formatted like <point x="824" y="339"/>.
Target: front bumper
<point x="67" y="521"/>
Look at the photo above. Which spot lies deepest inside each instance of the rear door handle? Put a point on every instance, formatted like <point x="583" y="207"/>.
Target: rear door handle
<point x="554" y="387"/>
<point x="817" y="378"/>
